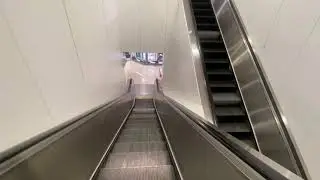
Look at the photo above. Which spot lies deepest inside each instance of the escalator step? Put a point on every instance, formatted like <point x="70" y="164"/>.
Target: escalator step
<point x="140" y="130"/>
<point x="213" y="44"/>
<point x="207" y="27"/>
<point x="139" y="138"/>
<point x="216" y="60"/>
<point x="220" y="72"/>
<point x="137" y="132"/>
<point x="229" y="111"/>
<point x="143" y="110"/>
<point x="137" y="159"/>
<point x="226" y="98"/>
<point x="217" y="65"/>
<point x="201" y="5"/>
<point x="235" y="127"/>
<point x="139" y="147"/>
<point x="142" y="116"/>
<point x="208" y="34"/>
<point x="164" y="172"/>
<point x="214" y="51"/>
<point x="222" y="87"/>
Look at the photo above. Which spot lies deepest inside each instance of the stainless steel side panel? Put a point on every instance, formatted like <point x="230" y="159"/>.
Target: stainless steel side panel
<point x="269" y="127"/>
<point x="72" y="153"/>
<point x="199" y="155"/>
<point x="197" y="61"/>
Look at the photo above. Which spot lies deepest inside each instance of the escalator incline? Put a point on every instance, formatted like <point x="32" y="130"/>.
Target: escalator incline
<point x="225" y="96"/>
<point x="140" y="151"/>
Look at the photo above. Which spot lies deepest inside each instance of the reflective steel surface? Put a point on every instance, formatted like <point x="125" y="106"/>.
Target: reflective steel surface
<point x="262" y="164"/>
<point x="272" y="135"/>
<point x="71" y="153"/>
<point x="199" y="155"/>
<point x="140" y="150"/>
<point x="197" y="61"/>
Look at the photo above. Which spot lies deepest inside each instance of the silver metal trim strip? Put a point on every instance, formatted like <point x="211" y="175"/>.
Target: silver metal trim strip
<point x="240" y="146"/>
<point x="176" y="164"/>
<point x="113" y="141"/>
<point x="274" y="106"/>
<point x="197" y="62"/>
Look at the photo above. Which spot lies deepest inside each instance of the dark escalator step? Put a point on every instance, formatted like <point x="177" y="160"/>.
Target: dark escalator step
<point x="222" y="84"/>
<point x="215" y="54"/>
<point x="163" y="172"/>
<point x="229" y="111"/>
<point x="207" y="27"/>
<point x="226" y="72"/>
<point x="130" y="138"/>
<point x="139" y="138"/>
<point x="141" y="116"/>
<point x="222" y="87"/>
<point x="142" y="125"/>
<point x="235" y="127"/>
<point x="223" y="76"/>
<point x="201" y="5"/>
<point x="213" y="50"/>
<point x="226" y="98"/>
<point x="139" y="147"/>
<point x="140" y="130"/>
<point x="143" y="103"/>
<point x="203" y="12"/>
<point x="216" y="65"/>
<point x="137" y="159"/>
<point x="209" y="34"/>
<point x="205" y="21"/>
<point x="141" y="120"/>
<point x="216" y="60"/>
<point x="143" y="110"/>
<point x="212" y="44"/>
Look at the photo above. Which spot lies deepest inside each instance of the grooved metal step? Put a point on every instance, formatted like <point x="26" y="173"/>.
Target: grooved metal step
<point x="229" y="111"/>
<point x="136" y="159"/>
<point x="164" y="172"/>
<point x="226" y="98"/>
<point x="145" y="146"/>
<point x="227" y="104"/>
<point x="140" y="151"/>
<point x="208" y="34"/>
<point x="236" y="127"/>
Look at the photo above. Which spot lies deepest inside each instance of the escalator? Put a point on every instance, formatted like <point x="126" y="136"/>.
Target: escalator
<point x="140" y="150"/>
<point x="138" y="139"/>
<point x="224" y="93"/>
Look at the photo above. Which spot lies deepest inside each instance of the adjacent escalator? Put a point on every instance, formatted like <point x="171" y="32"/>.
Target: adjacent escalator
<point x="140" y="151"/>
<point x="225" y="97"/>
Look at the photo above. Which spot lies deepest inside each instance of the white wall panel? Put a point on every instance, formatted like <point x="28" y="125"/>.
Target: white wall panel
<point x="142" y="24"/>
<point x="268" y="13"/>
<point x="43" y="35"/>
<point x="130" y="25"/>
<point x="179" y="77"/>
<point x="290" y="57"/>
<point x="95" y="34"/>
<point x="20" y="99"/>
<point x="53" y="69"/>
<point x="153" y="20"/>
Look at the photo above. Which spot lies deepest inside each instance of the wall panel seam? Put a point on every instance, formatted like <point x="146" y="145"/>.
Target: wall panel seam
<point x="26" y="64"/>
